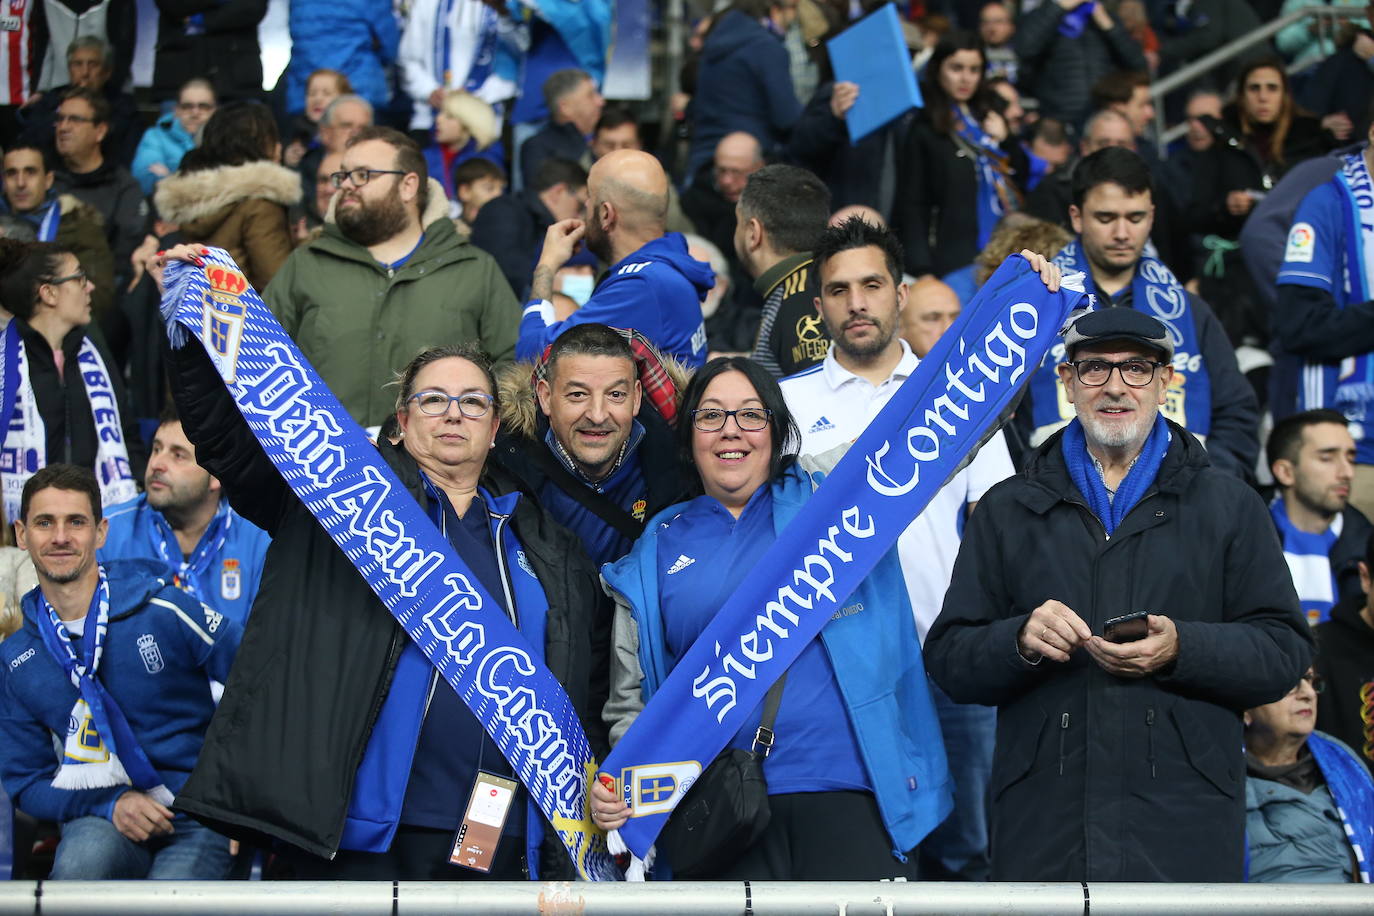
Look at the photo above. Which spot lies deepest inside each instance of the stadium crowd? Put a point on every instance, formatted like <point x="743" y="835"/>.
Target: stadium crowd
<point x="611" y="352"/>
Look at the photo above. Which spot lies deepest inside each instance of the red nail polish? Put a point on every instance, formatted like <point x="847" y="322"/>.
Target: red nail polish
<point x="607" y="780"/>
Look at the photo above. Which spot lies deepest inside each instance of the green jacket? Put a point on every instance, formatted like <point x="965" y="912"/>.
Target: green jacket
<point x="358" y="326"/>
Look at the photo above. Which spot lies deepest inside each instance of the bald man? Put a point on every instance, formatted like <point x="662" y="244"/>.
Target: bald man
<point x="653" y="284"/>
<point x="932" y="306"/>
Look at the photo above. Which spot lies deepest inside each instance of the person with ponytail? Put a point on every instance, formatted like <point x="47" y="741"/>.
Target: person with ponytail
<point x="960" y="167"/>
<point x="61" y="395"/>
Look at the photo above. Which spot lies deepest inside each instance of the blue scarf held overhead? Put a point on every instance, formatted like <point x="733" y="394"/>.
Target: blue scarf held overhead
<point x="1350" y="787"/>
<point x="1110" y="511"/>
<point x="993" y="190"/>
<point x="99" y="749"/>
<point x="1156" y="292"/>
<point x="942" y="412"/>
<point x="327" y="460"/>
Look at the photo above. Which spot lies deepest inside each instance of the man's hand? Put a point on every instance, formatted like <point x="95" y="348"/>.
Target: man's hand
<point x="139" y="818"/>
<point x="1142" y="657"/>
<point x="843" y="98"/>
<point x="436" y="98"/>
<point x="139" y="259"/>
<point x="1053" y="631"/>
<point x="1340" y="125"/>
<point x="1102" y="18"/>
<point x="560" y="241"/>
<point x="1238" y="203"/>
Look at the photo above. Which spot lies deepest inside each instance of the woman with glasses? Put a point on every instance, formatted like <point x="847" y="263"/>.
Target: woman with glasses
<point x="230" y="192"/>
<point x="66" y="390"/>
<point x="163" y="145"/>
<point x="857" y="763"/>
<point x="1309" y="800"/>
<point x="335" y="734"/>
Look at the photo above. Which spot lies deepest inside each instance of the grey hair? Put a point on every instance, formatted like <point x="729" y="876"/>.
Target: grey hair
<point x="92" y="41"/>
<point x="327" y="119"/>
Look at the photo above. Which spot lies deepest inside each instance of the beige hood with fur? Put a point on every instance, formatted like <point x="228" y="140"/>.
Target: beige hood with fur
<point x="195" y="199"/>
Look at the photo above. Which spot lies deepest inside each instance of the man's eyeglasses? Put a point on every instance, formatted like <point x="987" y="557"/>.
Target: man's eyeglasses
<point x="58" y="281"/>
<point x="473" y="404"/>
<point x="360" y="177"/>
<point x="72" y="119"/>
<point x="748" y="419"/>
<point x="196" y="106"/>
<point x="1134" y="372"/>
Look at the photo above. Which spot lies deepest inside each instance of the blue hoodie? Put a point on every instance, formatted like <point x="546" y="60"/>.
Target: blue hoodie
<point x="163" y="688"/>
<point x="657" y="290"/>
<point x="165" y="142"/>
<point x="745" y="84"/>
<point x="877" y="661"/>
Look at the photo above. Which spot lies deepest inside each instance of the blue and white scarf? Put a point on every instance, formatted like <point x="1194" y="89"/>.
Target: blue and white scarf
<point x="942" y="412"/>
<point x="994" y="193"/>
<point x="1075" y="21"/>
<point x="336" y="472"/>
<point x="1351" y="381"/>
<point x="189" y="569"/>
<point x="24" y="447"/>
<point x="100" y="749"/>
<point x="1353" y="793"/>
<point x="1111" y="508"/>
<point x="476" y="43"/>
<point x="1309" y="561"/>
<point x="1155" y="291"/>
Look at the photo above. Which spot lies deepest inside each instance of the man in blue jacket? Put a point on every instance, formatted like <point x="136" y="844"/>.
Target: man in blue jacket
<point x="180" y="519"/>
<point x="116" y="663"/>
<point x="653" y="284"/>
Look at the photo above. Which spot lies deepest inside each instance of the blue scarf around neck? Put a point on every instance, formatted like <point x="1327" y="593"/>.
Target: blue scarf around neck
<point x="1111" y="511"/>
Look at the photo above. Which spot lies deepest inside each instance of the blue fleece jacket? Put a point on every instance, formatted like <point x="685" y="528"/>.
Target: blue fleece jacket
<point x="227" y="581"/>
<point x="745" y="83"/>
<point x="877" y="660"/>
<point x="379" y="789"/>
<point x="165" y="142"/>
<point x="162" y="687"/>
<point x="657" y="290"/>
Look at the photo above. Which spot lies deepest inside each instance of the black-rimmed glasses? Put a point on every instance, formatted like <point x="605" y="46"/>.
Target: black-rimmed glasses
<point x="748" y="419"/>
<point x="360" y="177"/>
<point x="1136" y="373"/>
<point x="473" y="404"/>
<point x="58" y="281"/>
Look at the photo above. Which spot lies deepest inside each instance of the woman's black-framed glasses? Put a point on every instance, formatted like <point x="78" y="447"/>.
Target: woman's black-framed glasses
<point x="748" y="419"/>
<point x="472" y="404"/>
<point x="1136" y="373"/>
<point x="80" y="274"/>
<point x="360" y="177"/>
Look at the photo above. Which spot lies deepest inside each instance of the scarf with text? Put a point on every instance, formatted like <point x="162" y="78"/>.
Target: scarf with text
<point x="941" y="413"/>
<point x="341" y="478"/>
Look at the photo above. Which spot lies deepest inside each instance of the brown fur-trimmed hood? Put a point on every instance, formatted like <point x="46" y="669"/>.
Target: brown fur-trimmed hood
<point x="520" y="413"/>
<point x="190" y="196"/>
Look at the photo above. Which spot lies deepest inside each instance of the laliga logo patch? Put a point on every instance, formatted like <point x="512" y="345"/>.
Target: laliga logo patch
<point x="150" y="653"/>
<point x="638" y="508"/>
<point x="1302" y="244"/>
<point x="524" y="562"/>
<point x="230" y="581"/>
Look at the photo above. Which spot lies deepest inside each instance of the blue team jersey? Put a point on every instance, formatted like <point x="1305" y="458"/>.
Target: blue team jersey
<point x="223" y="571"/>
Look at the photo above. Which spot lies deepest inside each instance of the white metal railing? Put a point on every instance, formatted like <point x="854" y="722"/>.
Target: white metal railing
<point x="385" y="898"/>
<point x="1325" y="16"/>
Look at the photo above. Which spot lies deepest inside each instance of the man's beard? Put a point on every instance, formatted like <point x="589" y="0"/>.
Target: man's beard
<point x="598" y="242"/>
<point x="1119" y="435"/>
<point x="866" y="350"/>
<point x="59" y="578"/>
<point x="371" y="224"/>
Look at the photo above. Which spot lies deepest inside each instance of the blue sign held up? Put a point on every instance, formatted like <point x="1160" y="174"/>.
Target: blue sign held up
<point x="873" y="54"/>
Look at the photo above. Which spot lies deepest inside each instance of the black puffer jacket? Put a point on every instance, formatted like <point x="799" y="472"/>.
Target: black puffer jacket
<point x="1060" y="70"/>
<point x="320" y="650"/>
<point x="1100" y="778"/>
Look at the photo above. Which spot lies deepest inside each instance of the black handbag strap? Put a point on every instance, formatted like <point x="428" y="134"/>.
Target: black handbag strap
<point x="763" y="738"/>
<point x="598" y="503"/>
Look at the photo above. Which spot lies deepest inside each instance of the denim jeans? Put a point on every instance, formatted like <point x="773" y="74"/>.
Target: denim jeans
<point x="93" y="849"/>
<point x="958" y="848"/>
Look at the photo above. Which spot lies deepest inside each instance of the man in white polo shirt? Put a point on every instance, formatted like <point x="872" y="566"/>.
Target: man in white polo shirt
<point x="858" y="269"/>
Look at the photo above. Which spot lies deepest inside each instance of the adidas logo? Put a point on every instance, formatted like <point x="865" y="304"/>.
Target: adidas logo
<point x="821" y="425"/>
<point x="683" y="561"/>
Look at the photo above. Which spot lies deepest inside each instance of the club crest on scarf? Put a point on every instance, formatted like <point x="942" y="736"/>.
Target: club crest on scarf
<point x="346" y="484"/>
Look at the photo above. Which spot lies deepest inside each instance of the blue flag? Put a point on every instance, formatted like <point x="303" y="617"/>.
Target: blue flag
<point x="330" y="465"/>
<point x="944" y="411"/>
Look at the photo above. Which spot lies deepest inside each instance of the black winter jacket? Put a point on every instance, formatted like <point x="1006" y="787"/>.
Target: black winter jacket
<point x="1060" y="70"/>
<point x="1101" y="778"/>
<point x="1345" y="658"/>
<point x="319" y="652"/>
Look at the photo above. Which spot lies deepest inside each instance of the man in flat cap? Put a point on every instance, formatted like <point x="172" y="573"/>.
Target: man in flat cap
<point x="1121" y="602"/>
